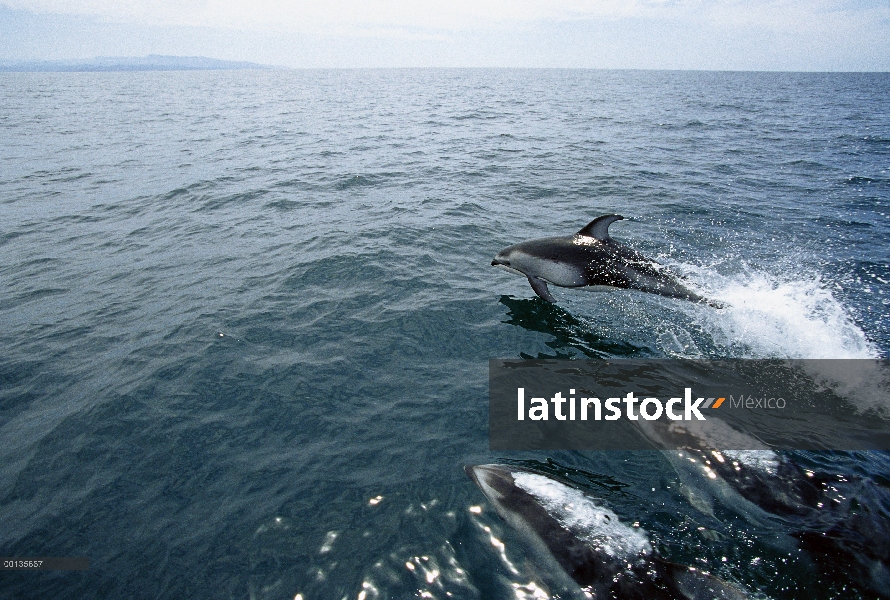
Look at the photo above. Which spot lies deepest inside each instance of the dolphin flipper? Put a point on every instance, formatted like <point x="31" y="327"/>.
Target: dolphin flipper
<point x="540" y="287"/>
<point x="599" y="227"/>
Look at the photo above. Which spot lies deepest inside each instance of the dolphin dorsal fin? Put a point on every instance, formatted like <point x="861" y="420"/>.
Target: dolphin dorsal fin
<point x="599" y="227"/>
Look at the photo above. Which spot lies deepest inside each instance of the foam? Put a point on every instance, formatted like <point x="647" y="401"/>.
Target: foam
<point x="766" y="317"/>
<point x="578" y="513"/>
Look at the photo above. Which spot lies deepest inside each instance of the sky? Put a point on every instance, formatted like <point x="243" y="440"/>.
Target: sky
<point x="772" y="35"/>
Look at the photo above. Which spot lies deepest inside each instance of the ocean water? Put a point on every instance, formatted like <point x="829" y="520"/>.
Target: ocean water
<point x="245" y="317"/>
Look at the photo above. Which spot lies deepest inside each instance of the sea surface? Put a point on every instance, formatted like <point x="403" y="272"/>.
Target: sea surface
<point x="246" y="316"/>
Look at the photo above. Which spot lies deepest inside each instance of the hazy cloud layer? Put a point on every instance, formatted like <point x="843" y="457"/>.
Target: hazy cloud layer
<point x="715" y="34"/>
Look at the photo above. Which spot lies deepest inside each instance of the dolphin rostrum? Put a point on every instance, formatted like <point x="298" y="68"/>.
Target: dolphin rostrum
<point x="591" y="259"/>
<point x="583" y="543"/>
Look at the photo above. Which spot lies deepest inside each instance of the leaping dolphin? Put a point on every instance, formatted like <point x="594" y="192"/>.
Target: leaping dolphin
<point x="592" y="259"/>
<point x="585" y="544"/>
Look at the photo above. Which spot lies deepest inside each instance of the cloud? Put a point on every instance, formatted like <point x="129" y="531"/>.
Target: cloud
<point x="461" y="15"/>
<point x="659" y="34"/>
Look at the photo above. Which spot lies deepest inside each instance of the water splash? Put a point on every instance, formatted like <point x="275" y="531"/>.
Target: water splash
<point x="770" y="317"/>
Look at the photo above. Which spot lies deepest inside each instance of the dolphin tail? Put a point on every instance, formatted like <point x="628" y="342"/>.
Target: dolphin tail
<point x="693" y="297"/>
<point x="702" y="300"/>
<point x="673" y="289"/>
<point x="540" y="287"/>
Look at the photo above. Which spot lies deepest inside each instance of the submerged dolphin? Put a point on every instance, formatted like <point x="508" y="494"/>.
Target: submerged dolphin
<point x="591" y="259"/>
<point x="585" y="544"/>
<point x="837" y="518"/>
<point x="755" y="482"/>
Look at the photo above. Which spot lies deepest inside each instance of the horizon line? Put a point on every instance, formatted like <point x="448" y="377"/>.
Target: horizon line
<point x="8" y="65"/>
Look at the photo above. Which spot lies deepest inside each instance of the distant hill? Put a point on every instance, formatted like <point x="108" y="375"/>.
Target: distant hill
<point x="152" y="62"/>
